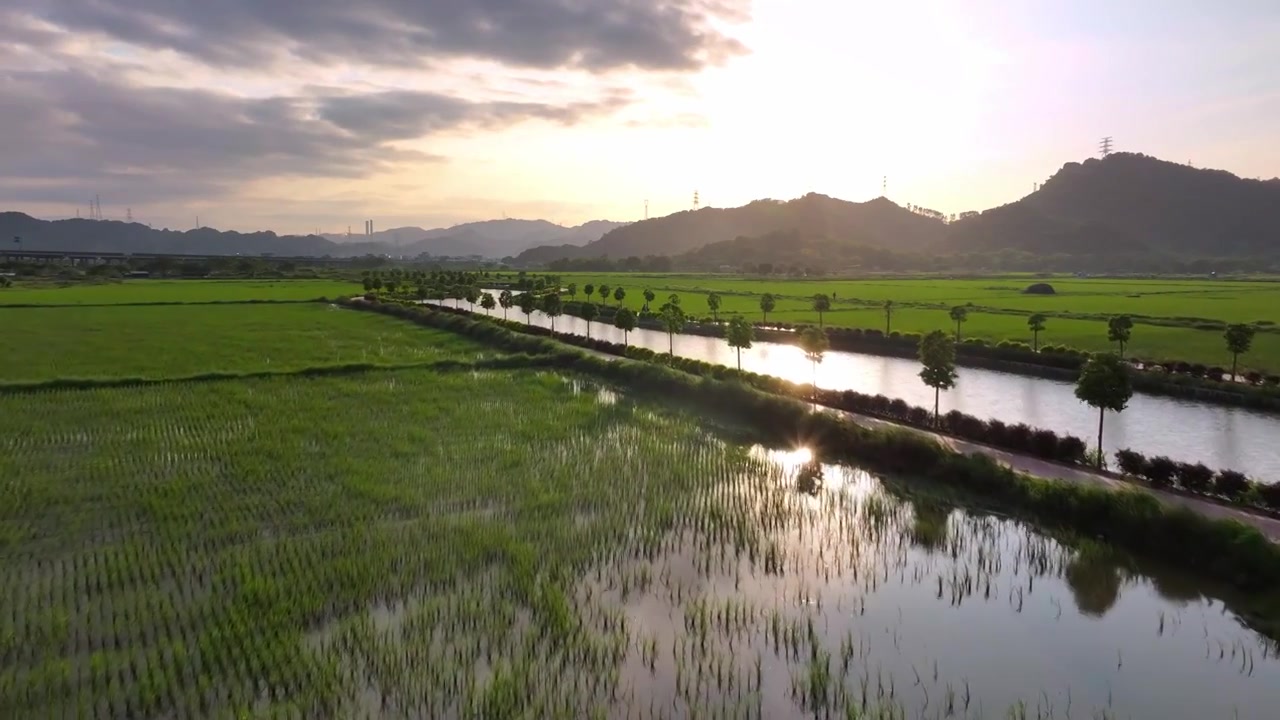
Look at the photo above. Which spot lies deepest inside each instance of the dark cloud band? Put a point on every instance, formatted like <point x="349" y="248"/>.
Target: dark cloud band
<point x="593" y="35"/>
<point x="68" y="132"/>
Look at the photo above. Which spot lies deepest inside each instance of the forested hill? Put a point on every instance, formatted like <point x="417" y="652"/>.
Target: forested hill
<point x="1137" y="203"/>
<point x="494" y="238"/>
<point x="878" y="223"/>
<point x="113" y="236"/>
<point x="1125" y="203"/>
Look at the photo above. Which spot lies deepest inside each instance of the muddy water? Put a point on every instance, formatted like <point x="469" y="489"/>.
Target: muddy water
<point x="859" y="598"/>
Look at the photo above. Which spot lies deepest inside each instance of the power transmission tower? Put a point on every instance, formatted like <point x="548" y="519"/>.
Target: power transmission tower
<point x="884" y="186"/>
<point x="128" y="214"/>
<point x="1104" y="146"/>
<point x="695" y="200"/>
<point x="646" y="209"/>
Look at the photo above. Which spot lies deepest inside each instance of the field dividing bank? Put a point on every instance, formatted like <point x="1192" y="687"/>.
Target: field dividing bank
<point x="174" y="341"/>
<point x="175" y="291"/>
<point x="1175" y="308"/>
<point x="503" y="544"/>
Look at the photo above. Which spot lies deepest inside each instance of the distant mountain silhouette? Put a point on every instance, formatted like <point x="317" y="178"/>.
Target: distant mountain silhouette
<point x="113" y="236"/>
<point x="877" y="223"/>
<point x="493" y="238"/>
<point x="488" y="238"/>
<point x="1131" y="202"/>
<point x="1125" y="203"/>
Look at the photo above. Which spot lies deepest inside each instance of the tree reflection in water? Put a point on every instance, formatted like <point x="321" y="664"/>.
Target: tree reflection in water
<point x="1094" y="578"/>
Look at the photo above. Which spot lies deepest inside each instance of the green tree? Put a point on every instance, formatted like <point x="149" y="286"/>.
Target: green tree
<point x="938" y="356"/>
<point x="1036" y="323"/>
<point x="713" y="303"/>
<point x="391" y="285"/>
<point x="488" y="303"/>
<point x="648" y="297"/>
<point x="888" y="316"/>
<point x="572" y="289"/>
<point x="1104" y="383"/>
<point x="1119" y="330"/>
<point x="589" y="290"/>
<point x="1239" y="339"/>
<point x="505" y="300"/>
<point x="959" y="314"/>
<point x="472" y="294"/>
<point x="739" y="333"/>
<point x="589" y="312"/>
<point x="368" y="283"/>
<point x="377" y="283"/>
<point x="619" y="295"/>
<point x="553" y="307"/>
<point x="604" y="293"/>
<point x="624" y="320"/>
<point x="673" y="320"/>
<point x="814" y="343"/>
<point x="767" y="304"/>
<point x="527" y="302"/>
<point x="821" y="304"/>
<point x="673" y="299"/>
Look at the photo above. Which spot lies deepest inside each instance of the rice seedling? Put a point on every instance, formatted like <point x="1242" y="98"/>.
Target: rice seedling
<point x="515" y="543"/>
<point x="175" y="341"/>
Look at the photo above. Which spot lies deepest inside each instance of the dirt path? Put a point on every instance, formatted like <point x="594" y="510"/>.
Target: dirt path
<point x="1266" y="525"/>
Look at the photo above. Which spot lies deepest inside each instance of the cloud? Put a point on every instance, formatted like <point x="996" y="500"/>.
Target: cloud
<point x="592" y="35"/>
<point x="403" y="114"/>
<point x="69" y="133"/>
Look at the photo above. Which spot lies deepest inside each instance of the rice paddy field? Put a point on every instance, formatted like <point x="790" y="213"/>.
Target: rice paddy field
<point x="1174" y="319"/>
<point x="422" y="543"/>
<point x="174" y="291"/>
<point x="428" y="536"/>
<point x="168" y="341"/>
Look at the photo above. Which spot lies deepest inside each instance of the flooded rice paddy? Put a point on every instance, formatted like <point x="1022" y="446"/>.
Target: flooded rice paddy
<point x="504" y="544"/>
<point x="803" y="589"/>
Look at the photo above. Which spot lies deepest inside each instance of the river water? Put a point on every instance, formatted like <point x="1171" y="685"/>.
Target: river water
<point x="1220" y="437"/>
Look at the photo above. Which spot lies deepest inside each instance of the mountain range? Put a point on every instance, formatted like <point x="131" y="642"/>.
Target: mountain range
<point x="1124" y="203"/>
<point x="491" y="238"/>
<point x="488" y="238"/>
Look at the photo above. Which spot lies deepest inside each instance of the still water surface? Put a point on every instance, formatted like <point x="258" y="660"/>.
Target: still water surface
<point x="862" y="596"/>
<point x="1220" y="437"/>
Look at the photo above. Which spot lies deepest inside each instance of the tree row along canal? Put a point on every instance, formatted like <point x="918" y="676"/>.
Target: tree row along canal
<point x="1220" y="437"/>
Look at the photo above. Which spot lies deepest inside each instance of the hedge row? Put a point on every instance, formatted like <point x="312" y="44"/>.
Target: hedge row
<point x="1020" y="438"/>
<point x="1137" y="521"/>
<point x="1198" y="479"/>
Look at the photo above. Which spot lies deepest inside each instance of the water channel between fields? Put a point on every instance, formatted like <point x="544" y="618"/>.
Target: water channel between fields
<point x="1220" y="437"/>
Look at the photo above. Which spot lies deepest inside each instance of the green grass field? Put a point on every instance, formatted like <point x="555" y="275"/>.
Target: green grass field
<point x="1166" y="312"/>
<point x="174" y="291"/>
<point x="174" y="341"/>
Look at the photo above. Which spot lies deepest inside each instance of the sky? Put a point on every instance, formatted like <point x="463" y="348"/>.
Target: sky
<point x="305" y="115"/>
